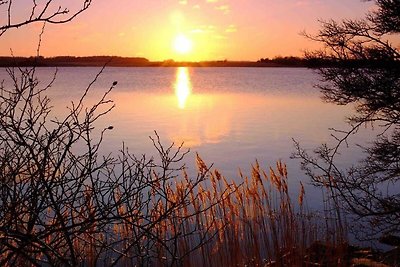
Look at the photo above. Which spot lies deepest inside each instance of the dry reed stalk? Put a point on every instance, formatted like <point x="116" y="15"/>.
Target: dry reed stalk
<point x="259" y="223"/>
<point x="254" y="223"/>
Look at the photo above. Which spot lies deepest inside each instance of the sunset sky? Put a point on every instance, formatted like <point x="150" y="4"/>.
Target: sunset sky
<point x="182" y="29"/>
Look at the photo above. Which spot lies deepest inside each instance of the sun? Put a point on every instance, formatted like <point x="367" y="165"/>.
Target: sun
<point x="182" y="44"/>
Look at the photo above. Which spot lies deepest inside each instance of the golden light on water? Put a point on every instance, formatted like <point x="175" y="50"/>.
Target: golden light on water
<point x="211" y="118"/>
<point x="183" y="87"/>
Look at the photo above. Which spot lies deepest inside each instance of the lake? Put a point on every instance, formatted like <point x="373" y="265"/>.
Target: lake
<point x="230" y="116"/>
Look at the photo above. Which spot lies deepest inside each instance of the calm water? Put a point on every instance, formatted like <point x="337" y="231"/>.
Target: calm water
<point x="230" y="116"/>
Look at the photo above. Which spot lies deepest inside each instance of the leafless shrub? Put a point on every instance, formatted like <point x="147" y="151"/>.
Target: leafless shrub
<point x="49" y="11"/>
<point x="363" y="70"/>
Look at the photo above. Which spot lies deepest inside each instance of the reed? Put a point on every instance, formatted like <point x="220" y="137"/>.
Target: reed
<point x="206" y="221"/>
<point x="221" y="223"/>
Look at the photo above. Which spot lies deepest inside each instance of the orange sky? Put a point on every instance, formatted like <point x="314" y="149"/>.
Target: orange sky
<point x="215" y="29"/>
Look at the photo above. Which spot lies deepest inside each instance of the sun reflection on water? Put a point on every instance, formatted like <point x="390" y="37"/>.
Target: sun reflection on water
<point x="183" y="86"/>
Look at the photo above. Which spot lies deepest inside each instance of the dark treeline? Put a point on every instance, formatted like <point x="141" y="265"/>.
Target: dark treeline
<point x="71" y="61"/>
<point x="318" y="61"/>
<point x="113" y="61"/>
<point x="285" y="61"/>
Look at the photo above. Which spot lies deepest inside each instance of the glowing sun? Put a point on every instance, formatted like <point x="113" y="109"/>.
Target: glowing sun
<point x="182" y="44"/>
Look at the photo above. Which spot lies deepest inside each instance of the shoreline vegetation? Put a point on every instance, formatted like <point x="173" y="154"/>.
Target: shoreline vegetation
<point x="116" y="61"/>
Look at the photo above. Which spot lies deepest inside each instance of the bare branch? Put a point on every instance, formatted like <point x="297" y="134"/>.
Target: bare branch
<point x="42" y="14"/>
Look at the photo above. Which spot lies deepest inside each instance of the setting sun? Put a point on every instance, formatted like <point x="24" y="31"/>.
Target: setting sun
<point x="182" y="44"/>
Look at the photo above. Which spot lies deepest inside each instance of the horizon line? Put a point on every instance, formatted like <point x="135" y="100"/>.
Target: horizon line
<point x="154" y="61"/>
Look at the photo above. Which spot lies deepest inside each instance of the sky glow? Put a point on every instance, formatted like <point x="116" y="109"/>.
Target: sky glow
<point x="215" y="29"/>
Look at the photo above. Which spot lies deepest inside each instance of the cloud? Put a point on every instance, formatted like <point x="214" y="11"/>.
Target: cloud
<point x="224" y="8"/>
<point x="231" y="28"/>
<point x="212" y="1"/>
<point x="204" y="29"/>
<point x="196" y="7"/>
<point x="183" y="2"/>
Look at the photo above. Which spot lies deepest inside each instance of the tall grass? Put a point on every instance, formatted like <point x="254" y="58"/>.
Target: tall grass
<point x="211" y="222"/>
<point x="258" y="224"/>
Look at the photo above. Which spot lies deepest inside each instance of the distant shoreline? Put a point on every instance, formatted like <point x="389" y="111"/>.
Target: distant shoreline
<point x="113" y="61"/>
<point x="98" y="61"/>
